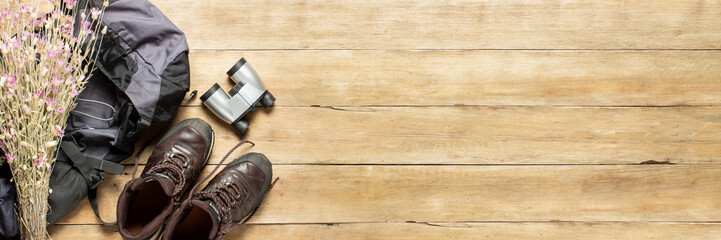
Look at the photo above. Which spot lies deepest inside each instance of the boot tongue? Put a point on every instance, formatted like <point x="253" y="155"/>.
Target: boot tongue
<point x="165" y="182"/>
<point x="213" y="211"/>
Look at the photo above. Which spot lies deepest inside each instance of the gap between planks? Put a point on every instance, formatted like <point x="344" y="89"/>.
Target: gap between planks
<point x="508" y="136"/>
<point x="450" y="230"/>
<point x="454" y="49"/>
<point x="337" y="194"/>
<point x="469" y="78"/>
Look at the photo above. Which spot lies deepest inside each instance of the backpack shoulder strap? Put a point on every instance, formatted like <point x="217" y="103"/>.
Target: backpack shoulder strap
<point x="88" y="167"/>
<point x="93" y="199"/>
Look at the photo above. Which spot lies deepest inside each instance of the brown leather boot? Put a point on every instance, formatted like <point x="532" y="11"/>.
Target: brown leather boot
<point x="146" y="201"/>
<point x="226" y="202"/>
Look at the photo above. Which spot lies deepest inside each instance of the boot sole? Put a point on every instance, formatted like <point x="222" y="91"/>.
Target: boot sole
<point x="212" y="145"/>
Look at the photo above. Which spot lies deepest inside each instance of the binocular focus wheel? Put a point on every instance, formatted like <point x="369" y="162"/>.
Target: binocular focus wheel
<point x="241" y="126"/>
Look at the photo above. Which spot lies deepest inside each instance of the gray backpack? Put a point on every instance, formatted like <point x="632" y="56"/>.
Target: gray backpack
<point x="142" y="76"/>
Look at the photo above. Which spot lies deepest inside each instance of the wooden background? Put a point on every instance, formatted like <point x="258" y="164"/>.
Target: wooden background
<point x="494" y="119"/>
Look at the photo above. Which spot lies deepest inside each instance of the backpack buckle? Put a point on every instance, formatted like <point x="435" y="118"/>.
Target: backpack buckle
<point x="142" y="124"/>
<point x="91" y="168"/>
<point x="96" y="180"/>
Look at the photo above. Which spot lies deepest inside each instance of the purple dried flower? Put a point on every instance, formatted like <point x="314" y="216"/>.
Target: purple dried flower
<point x="94" y="13"/>
<point x="10" y="157"/>
<point x="15" y="42"/>
<point x="9" y="80"/>
<point x="59" y="110"/>
<point x="52" y="54"/>
<point x="70" y="3"/>
<point x="40" y="94"/>
<point x="59" y="131"/>
<point x="38" y="162"/>
<point x="42" y="41"/>
<point x="56" y="81"/>
<point x="73" y="92"/>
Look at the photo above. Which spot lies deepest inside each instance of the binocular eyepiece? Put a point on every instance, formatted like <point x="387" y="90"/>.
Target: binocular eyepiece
<point x="244" y="96"/>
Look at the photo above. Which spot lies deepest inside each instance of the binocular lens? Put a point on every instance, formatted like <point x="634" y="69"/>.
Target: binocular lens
<point x="217" y="101"/>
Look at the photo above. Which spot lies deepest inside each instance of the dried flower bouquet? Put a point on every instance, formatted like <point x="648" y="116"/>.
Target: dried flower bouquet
<point x="46" y="58"/>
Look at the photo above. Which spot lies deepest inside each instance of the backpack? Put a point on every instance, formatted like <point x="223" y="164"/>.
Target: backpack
<point x="8" y="220"/>
<point x="142" y="77"/>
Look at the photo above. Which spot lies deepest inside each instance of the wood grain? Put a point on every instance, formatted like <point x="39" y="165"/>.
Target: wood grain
<point x="501" y="231"/>
<point x="454" y="24"/>
<point x="466" y="119"/>
<point x="350" y="194"/>
<point x="412" y="78"/>
<point x="473" y="135"/>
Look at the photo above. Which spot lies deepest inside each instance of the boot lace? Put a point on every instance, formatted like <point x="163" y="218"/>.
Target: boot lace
<point x="173" y="166"/>
<point x="225" y="197"/>
<point x="226" y="224"/>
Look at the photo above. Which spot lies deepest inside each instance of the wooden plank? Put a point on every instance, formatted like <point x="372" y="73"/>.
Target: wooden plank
<point x="500" y="231"/>
<point x="350" y="194"/>
<point x="454" y="24"/>
<point x="473" y="135"/>
<point x="560" y="78"/>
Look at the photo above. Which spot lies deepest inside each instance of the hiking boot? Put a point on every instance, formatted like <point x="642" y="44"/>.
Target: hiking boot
<point x="227" y="201"/>
<point x="146" y="201"/>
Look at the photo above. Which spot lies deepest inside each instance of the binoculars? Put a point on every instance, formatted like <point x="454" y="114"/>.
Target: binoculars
<point x="244" y="96"/>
